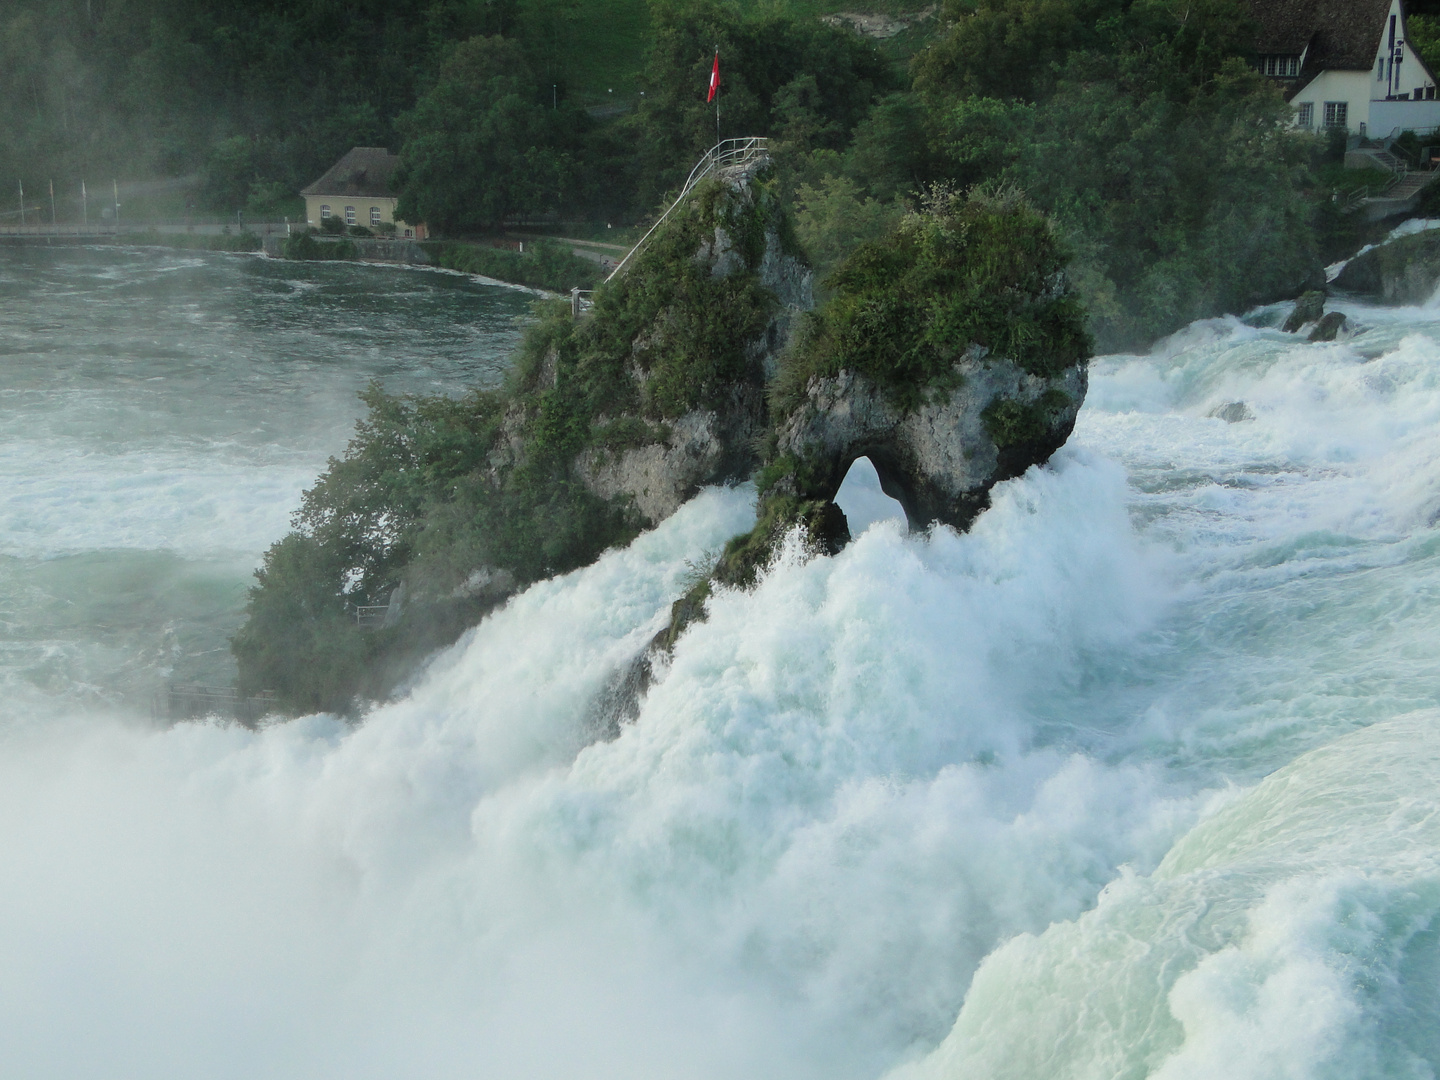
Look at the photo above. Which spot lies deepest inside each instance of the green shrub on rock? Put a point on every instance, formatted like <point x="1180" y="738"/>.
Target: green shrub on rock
<point x="983" y="269"/>
<point x="463" y="501"/>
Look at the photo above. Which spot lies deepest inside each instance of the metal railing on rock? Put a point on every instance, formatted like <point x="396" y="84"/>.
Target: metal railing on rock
<point x="726" y="154"/>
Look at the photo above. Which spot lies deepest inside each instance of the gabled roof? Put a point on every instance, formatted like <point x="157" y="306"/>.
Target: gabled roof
<point x="363" y="173"/>
<point x="1341" y="35"/>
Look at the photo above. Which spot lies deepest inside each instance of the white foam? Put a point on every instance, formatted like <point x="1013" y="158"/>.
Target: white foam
<point x="933" y="777"/>
<point x="1280" y="938"/>
<point x="829" y="810"/>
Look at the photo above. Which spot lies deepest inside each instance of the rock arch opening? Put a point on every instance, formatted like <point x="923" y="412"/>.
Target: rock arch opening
<point x="863" y="500"/>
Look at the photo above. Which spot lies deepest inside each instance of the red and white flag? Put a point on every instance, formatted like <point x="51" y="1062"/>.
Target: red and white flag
<point x="714" y="79"/>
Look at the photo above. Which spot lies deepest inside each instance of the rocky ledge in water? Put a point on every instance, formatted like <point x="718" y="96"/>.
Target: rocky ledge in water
<point x="951" y="354"/>
<point x="1401" y="271"/>
<point x="1310" y="311"/>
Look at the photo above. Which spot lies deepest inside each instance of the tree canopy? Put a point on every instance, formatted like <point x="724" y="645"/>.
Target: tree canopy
<point x="479" y="146"/>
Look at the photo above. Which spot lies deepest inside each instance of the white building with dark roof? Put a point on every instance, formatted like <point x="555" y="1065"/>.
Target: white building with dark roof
<point x="1346" y="64"/>
<point x="358" y="189"/>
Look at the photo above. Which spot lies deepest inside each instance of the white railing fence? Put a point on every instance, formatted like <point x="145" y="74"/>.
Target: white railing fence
<point x="726" y="154"/>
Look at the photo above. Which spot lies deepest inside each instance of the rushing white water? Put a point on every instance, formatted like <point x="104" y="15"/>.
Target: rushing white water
<point x="1025" y="777"/>
<point x="159" y="416"/>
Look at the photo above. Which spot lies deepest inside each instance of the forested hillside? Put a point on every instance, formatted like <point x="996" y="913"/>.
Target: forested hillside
<point x="262" y="95"/>
<point x="1139" y="126"/>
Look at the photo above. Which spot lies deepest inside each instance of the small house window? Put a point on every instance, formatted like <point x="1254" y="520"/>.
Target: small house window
<point x="349" y="215"/>
<point x="324" y="212"/>
<point x="1305" y="116"/>
<point x="374" y="215"/>
<point x="1281" y="66"/>
<point x="1337" y="114"/>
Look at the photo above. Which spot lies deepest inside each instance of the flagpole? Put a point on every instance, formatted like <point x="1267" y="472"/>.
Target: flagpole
<point x="717" y="97"/>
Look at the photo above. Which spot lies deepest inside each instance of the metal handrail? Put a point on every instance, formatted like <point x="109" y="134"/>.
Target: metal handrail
<point x="727" y="153"/>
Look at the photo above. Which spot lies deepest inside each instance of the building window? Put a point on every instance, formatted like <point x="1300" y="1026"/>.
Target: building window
<point x="1305" y="117"/>
<point x="324" y="212"/>
<point x="1284" y="67"/>
<point x="374" y="215"/>
<point x="1380" y="70"/>
<point x="349" y="215"/>
<point x="1337" y="114"/>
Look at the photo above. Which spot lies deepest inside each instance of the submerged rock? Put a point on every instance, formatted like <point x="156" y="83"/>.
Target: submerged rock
<point x="1232" y="412"/>
<point x="1308" y="309"/>
<point x="1328" y="327"/>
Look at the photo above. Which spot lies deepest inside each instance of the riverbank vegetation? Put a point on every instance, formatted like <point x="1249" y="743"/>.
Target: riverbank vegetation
<point x="1139" y="126"/>
<point x="545" y="264"/>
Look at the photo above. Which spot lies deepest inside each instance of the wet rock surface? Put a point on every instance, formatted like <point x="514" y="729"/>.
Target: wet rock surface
<point x="1232" y="412"/>
<point x="1308" y="309"/>
<point x="938" y="460"/>
<point x="1329" y="326"/>
<point x="1402" y="271"/>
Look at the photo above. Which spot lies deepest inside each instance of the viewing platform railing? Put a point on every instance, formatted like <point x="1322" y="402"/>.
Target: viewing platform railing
<point x="726" y="154"/>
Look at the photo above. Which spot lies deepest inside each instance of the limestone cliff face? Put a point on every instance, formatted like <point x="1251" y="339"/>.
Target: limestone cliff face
<point x="705" y="446"/>
<point x="938" y="460"/>
<point x="715" y="443"/>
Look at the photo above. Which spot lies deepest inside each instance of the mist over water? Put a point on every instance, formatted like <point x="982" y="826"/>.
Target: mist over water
<point x="995" y="805"/>
<point x="160" y="414"/>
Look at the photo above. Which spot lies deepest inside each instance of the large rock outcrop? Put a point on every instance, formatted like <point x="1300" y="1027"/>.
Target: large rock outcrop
<point x="715" y="442"/>
<point x="951" y="354"/>
<point x="941" y="458"/>
<point x="1402" y="271"/>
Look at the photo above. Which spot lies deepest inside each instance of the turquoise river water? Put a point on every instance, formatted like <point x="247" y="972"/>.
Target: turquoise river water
<point x="1136" y="779"/>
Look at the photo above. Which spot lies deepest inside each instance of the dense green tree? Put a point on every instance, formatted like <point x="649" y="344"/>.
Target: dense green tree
<point x="479" y="146"/>
<point x="1423" y="33"/>
<point x="137" y="88"/>
<point x="1009" y="48"/>
<point x="892" y="152"/>
<point x="1166" y="160"/>
<point x="781" y="76"/>
<point x="833" y="216"/>
<point x="1177" y="209"/>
